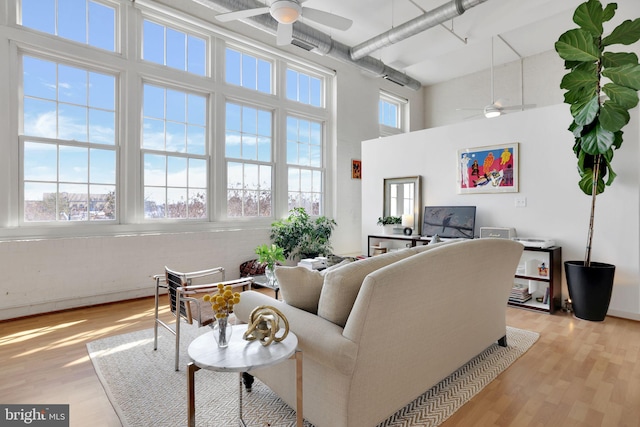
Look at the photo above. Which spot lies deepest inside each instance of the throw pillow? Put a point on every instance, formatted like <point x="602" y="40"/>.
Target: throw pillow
<point x="301" y="287"/>
<point x="341" y="286"/>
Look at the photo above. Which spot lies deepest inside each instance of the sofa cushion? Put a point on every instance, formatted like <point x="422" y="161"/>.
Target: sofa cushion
<point x="301" y="287"/>
<point x="341" y="286"/>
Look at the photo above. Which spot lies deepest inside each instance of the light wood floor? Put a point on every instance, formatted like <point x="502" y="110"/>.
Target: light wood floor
<point x="579" y="373"/>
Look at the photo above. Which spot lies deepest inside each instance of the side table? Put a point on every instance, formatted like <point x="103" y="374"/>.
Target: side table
<point x="240" y="356"/>
<point x="263" y="281"/>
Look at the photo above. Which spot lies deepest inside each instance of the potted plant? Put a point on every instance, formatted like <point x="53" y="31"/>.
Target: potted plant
<point x="597" y="125"/>
<point x="270" y="255"/>
<point x="390" y="223"/>
<point x="302" y="237"/>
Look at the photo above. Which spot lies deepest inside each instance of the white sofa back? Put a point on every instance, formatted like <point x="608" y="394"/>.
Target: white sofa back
<point x="419" y="319"/>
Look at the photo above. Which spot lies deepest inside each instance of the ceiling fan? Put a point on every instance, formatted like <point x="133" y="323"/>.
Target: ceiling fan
<point x="497" y="107"/>
<point x="286" y="12"/>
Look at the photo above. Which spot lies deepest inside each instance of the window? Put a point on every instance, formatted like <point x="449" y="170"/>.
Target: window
<point x="304" y="160"/>
<point x="248" y="146"/>
<point x="174" y="48"/>
<point x="304" y="88"/>
<point x="68" y="143"/>
<point x="174" y="154"/>
<point x="391" y="114"/>
<point x="248" y="71"/>
<point x="171" y="127"/>
<point x="84" y="21"/>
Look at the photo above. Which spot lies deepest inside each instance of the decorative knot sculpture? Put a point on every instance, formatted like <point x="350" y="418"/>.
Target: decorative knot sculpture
<point x="264" y="325"/>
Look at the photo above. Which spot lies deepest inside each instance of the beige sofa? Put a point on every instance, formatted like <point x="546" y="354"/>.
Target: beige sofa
<point x="389" y="327"/>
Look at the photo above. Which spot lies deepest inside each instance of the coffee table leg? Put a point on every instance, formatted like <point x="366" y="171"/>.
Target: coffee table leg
<point x="299" y="416"/>
<point x="191" y="397"/>
<point x="240" y="401"/>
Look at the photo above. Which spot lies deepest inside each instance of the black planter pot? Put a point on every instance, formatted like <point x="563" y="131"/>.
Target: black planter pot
<point x="590" y="288"/>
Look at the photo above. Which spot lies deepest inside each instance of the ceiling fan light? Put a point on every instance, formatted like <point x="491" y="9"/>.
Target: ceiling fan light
<point x="285" y="12"/>
<point x="490" y="112"/>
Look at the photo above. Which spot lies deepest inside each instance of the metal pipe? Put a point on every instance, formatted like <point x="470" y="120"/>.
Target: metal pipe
<point x="415" y="26"/>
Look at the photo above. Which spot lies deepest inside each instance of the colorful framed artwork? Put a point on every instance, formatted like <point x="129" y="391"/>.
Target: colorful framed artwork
<point x="490" y="169"/>
<point x="356" y="169"/>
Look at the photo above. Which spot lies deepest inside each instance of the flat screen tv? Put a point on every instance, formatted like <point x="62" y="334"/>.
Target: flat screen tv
<point x="449" y="221"/>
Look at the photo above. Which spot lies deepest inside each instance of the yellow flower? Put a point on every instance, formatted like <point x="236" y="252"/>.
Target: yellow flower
<point x="223" y="301"/>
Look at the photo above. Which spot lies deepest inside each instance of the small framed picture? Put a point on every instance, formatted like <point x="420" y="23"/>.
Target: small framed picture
<point x="490" y="169"/>
<point x="356" y="169"/>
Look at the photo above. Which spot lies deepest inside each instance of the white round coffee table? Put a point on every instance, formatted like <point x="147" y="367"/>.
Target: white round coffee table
<point x="240" y="356"/>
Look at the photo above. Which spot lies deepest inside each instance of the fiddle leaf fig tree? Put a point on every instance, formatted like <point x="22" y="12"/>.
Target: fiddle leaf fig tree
<point x="599" y="111"/>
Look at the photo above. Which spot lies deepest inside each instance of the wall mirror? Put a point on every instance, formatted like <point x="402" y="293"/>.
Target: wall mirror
<point x="402" y="198"/>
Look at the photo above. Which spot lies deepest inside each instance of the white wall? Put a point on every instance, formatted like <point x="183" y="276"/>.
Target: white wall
<point x="556" y="208"/>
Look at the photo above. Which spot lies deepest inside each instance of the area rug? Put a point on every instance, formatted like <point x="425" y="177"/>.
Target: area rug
<point x="145" y="390"/>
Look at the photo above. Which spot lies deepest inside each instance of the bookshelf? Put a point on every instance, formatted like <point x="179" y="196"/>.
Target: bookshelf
<point x="542" y="284"/>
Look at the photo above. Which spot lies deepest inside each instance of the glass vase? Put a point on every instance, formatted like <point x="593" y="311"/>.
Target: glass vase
<point x="271" y="277"/>
<point x="222" y="330"/>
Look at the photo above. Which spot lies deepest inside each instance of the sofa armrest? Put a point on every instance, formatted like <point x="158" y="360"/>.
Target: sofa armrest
<point x="318" y="338"/>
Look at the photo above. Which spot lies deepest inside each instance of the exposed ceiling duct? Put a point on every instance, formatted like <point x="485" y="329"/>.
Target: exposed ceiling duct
<point x="415" y="26"/>
<point x="308" y="38"/>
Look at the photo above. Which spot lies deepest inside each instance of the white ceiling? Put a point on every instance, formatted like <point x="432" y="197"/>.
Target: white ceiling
<point x="436" y="55"/>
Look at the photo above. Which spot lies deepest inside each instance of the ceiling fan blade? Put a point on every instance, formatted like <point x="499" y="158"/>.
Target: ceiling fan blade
<point x="284" y="35"/>
<point x="326" y="18"/>
<point x="469" y="109"/>
<point x="518" y="107"/>
<point x="475" y="116"/>
<point x="241" y="14"/>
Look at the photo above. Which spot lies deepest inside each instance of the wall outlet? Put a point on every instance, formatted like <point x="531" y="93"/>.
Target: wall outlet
<point x="521" y="202"/>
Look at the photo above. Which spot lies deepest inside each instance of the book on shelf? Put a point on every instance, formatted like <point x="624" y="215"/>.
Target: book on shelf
<point x="546" y="297"/>
<point x="519" y="293"/>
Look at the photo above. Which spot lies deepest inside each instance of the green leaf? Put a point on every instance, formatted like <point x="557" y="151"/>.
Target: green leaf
<point x="576" y="130"/>
<point x="625" y="97"/>
<point x="586" y="183"/>
<point x="625" y="75"/>
<point x="617" y="142"/>
<point x="616" y="59"/>
<point x="577" y="45"/>
<point x="597" y="141"/>
<point x="609" y="12"/>
<point x="613" y="117"/>
<point x="580" y="80"/>
<point x="589" y="17"/>
<point x="606" y="167"/>
<point x="588" y="112"/>
<point x="626" y="33"/>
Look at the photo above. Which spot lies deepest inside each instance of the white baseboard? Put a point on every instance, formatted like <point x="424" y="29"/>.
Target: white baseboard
<point x="64" y="304"/>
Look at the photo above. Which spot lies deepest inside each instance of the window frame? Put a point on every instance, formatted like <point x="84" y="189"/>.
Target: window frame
<point x="117" y="7"/>
<point x="20" y="53"/>
<point x="402" y="105"/>
<point x="130" y="72"/>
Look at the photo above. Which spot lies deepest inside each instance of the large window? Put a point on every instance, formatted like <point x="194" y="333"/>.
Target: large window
<point x="69" y="146"/>
<point x="174" y="147"/>
<point x="248" y="145"/>
<point x="150" y="129"/>
<point x="304" y="159"/>
<point x="84" y="21"/>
